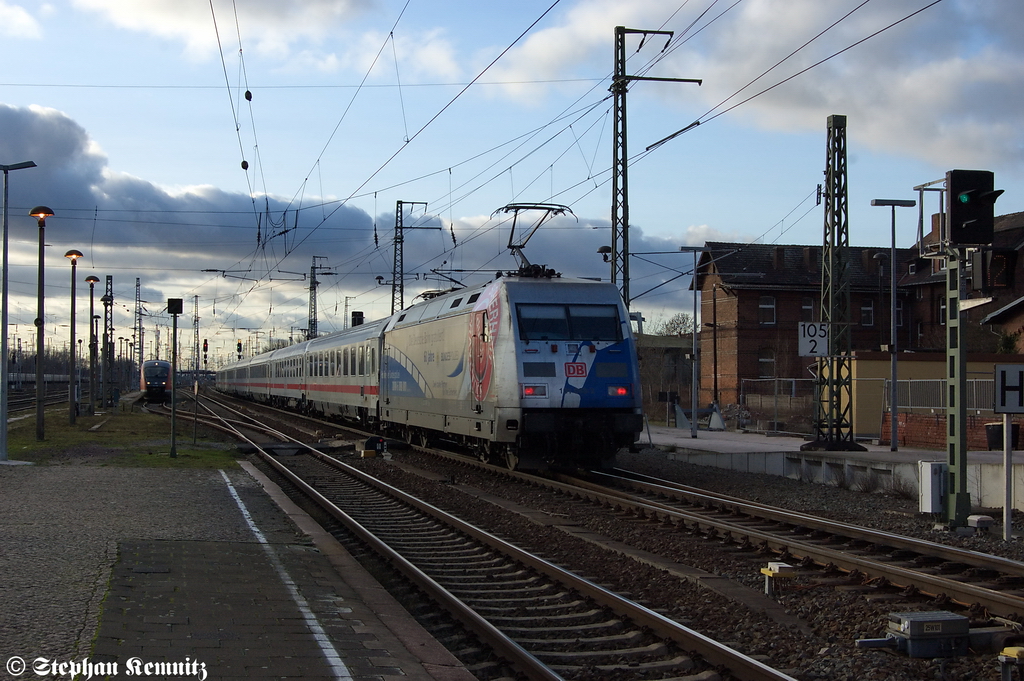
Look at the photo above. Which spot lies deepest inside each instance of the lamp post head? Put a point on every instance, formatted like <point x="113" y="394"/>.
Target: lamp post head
<point x="895" y="203"/>
<point x="73" y="255"/>
<point x="40" y="213"/>
<point x="92" y="280"/>
<point x="17" y="166"/>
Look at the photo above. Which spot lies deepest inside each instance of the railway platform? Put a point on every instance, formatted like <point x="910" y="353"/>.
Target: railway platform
<point x="781" y="455"/>
<point x="189" y="574"/>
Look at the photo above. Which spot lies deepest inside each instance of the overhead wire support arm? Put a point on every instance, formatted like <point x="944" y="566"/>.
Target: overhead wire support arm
<point x="698" y="81"/>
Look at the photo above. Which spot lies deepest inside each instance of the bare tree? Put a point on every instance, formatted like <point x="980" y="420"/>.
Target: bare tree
<point x="679" y="324"/>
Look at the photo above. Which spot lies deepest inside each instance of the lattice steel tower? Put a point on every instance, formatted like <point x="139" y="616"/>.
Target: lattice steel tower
<point x="139" y="331"/>
<point x="834" y="386"/>
<point x="311" y="330"/>
<point x="619" y="256"/>
<point x="195" y="338"/>
<point x="398" y="269"/>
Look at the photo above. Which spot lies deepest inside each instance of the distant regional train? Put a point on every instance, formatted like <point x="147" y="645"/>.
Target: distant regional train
<point x="526" y="371"/>
<point x="156" y="380"/>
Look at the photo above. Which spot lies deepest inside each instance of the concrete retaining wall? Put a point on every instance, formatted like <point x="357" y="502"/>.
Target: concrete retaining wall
<point x="984" y="480"/>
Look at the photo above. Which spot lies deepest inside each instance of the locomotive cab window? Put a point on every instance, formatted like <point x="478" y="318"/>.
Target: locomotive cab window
<point x="594" y="322"/>
<point x="568" y="322"/>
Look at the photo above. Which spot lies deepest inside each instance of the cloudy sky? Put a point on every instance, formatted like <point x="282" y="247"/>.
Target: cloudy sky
<point x="136" y="114"/>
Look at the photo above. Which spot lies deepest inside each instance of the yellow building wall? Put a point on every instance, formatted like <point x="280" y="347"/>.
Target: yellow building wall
<point x="870" y="370"/>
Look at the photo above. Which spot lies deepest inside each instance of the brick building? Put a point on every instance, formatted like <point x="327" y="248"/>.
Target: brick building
<point x="753" y="297"/>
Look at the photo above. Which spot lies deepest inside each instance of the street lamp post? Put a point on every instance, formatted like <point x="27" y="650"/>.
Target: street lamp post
<point x="893" y="394"/>
<point x="105" y="367"/>
<point x="92" y="280"/>
<point x="40" y="213"/>
<point x="73" y="256"/>
<point x="174" y="307"/>
<point x="3" y="315"/>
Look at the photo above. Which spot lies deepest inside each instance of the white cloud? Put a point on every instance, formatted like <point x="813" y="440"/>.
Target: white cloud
<point x="274" y="25"/>
<point x="17" y="23"/>
<point x="696" y="235"/>
<point x="945" y="86"/>
<point x="583" y="39"/>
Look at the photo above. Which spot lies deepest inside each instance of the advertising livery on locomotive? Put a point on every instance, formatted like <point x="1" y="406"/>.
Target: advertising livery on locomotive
<point x="525" y="371"/>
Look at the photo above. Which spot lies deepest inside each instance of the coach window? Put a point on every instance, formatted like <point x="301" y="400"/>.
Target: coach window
<point x="362" y="361"/>
<point x="371" y="360"/>
<point x="351" y="361"/>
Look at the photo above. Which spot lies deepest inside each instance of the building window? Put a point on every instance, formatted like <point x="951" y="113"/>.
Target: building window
<point x="807" y="309"/>
<point x="766" y="363"/>
<point x="912" y="268"/>
<point x="942" y="311"/>
<point x="766" y="311"/>
<point x="899" y="313"/>
<point x="867" y="312"/>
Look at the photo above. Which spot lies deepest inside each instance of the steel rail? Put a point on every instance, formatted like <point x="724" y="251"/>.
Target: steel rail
<point x="517" y="656"/>
<point x="895" y="541"/>
<point x="741" y="666"/>
<point x="714" y="652"/>
<point x="964" y="594"/>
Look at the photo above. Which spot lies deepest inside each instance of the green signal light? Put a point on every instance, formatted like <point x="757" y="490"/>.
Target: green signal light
<point x="964" y="197"/>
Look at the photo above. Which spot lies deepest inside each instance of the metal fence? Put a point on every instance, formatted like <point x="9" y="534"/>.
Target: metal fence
<point x="787" y="404"/>
<point x="778" y="404"/>
<point x="926" y="395"/>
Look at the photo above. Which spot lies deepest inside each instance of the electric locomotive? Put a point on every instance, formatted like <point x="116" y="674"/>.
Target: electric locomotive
<point x="156" y="380"/>
<point x="528" y="370"/>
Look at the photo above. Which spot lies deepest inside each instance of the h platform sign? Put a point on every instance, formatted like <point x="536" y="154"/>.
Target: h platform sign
<point x="1009" y="389"/>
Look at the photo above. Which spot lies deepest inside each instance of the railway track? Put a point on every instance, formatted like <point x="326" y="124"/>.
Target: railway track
<point x="548" y="622"/>
<point x="978" y="582"/>
<point x="973" y="580"/>
<point x="26" y="401"/>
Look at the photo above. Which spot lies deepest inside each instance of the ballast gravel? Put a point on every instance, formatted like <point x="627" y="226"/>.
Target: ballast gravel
<point x="835" y="617"/>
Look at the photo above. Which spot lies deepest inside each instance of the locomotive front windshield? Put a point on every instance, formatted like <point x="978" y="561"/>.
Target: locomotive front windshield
<point x="568" y="322"/>
<point x="157" y="374"/>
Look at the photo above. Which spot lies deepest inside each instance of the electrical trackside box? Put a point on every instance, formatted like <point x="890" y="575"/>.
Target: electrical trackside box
<point x="931" y="634"/>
